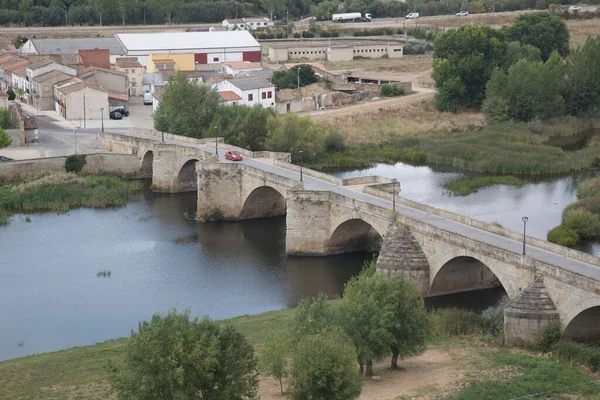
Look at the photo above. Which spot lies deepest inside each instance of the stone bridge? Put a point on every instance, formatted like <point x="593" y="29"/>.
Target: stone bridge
<point x="440" y="252"/>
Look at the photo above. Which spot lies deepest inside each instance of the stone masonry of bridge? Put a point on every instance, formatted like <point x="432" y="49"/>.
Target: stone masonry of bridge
<point x="439" y="252"/>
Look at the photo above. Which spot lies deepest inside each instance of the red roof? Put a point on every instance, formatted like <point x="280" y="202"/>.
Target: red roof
<point x="228" y="95"/>
<point x="243" y="65"/>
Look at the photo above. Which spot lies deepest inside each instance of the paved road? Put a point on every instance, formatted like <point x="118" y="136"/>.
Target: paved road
<point x="310" y="183"/>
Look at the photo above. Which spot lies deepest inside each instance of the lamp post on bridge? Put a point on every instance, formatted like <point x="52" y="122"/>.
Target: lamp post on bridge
<point x="102" y="117"/>
<point x="216" y="141"/>
<point x="524" y="219"/>
<point x="300" y="152"/>
<point x="394" y="181"/>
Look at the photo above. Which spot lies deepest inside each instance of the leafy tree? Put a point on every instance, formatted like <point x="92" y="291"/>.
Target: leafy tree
<point x="273" y="359"/>
<point x="543" y="30"/>
<point x="11" y="94"/>
<point x="293" y="134"/>
<point x="99" y="6"/>
<point x="516" y="51"/>
<point x="530" y="90"/>
<point x="186" y="108"/>
<point x="5" y="140"/>
<point x="335" y="141"/>
<point x="584" y="222"/>
<point x="463" y="61"/>
<point x="273" y="6"/>
<point x="173" y="357"/>
<point x="324" y="368"/>
<point x="126" y="6"/>
<point x="582" y="77"/>
<point x="312" y="316"/>
<point x="289" y="79"/>
<point x="168" y="8"/>
<point x="6" y="119"/>
<point x="243" y="126"/>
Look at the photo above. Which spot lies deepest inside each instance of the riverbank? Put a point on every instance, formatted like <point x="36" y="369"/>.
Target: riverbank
<point x="61" y="192"/>
<point x="512" y="148"/>
<point x="463" y="366"/>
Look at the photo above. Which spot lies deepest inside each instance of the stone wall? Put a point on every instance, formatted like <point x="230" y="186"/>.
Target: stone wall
<point x="118" y="164"/>
<point x="308" y="172"/>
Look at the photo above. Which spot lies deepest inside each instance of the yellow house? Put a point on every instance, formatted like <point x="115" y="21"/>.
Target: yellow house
<point x="176" y="61"/>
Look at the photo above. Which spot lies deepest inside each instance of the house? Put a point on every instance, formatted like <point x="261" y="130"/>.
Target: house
<point x="95" y="58"/>
<point x="72" y="60"/>
<point x="19" y="82"/>
<point x="135" y="74"/>
<point x="8" y="63"/>
<point x="247" y="24"/>
<point x="115" y="82"/>
<point x="47" y="47"/>
<point x="237" y="67"/>
<point x="78" y="100"/>
<point x="252" y="91"/>
<point x="42" y="76"/>
<point x="230" y="98"/>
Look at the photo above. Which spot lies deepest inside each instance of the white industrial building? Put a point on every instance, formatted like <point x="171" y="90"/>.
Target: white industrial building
<point x="204" y="47"/>
<point x="248" y="24"/>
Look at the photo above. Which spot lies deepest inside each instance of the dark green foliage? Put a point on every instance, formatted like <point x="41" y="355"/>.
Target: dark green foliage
<point x="577" y="355"/>
<point x="530" y="90"/>
<point x="242" y="126"/>
<point x="563" y="236"/>
<point x="216" y="214"/>
<point x="413" y="50"/>
<point x="289" y="79"/>
<point x="11" y="94"/>
<point x="493" y="318"/>
<point x="422" y="33"/>
<point x="324" y="367"/>
<point x="19" y="41"/>
<point x="335" y="141"/>
<point x="293" y="133"/>
<point x="388" y="90"/>
<point x="540" y="29"/>
<point x="312" y="316"/>
<point x="516" y="51"/>
<point x="585" y="223"/>
<point x="75" y="163"/>
<point x="186" y="107"/>
<point x="591" y="204"/>
<point x="6" y="119"/>
<point x="172" y="356"/>
<point x="5" y="140"/>
<point x="463" y="61"/>
<point x="273" y="359"/>
<point x="549" y="338"/>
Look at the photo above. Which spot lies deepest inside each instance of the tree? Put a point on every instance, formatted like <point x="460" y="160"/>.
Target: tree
<point x="166" y="7"/>
<point x="324" y="368"/>
<point x="543" y="30"/>
<point x="243" y="126"/>
<point x="516" y="51"/>
<point x="582" y="77"/>
<point x="273" y="359"/>
<point x="5" y="140"/>
<point x="312" y="316"/>
<point x="173" y="357"/>
<point x="289" y="79"/>
<point x="273" y="6"/>
<point x="98" y="6"/>
<point x="463" y="61"/>
<point x="126" y="6"/>
<point x="293" y="134"/>
<point x="186" y="107"/>
<point x="529" y="90"/>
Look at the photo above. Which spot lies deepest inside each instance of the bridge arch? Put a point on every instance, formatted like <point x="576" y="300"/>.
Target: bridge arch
<point x="354" y="235"/>
<point x="147" y="163"/>
<point x="186" y="177"/>
<point x="263" y="201"/>
<point x="582" y="322"/>
<point x="463" y="271"/>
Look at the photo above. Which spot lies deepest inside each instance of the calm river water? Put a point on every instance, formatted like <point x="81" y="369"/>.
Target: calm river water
<point x="51" y="296"/>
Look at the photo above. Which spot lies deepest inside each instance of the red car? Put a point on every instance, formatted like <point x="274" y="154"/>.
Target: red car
<point x="233" y="155"/>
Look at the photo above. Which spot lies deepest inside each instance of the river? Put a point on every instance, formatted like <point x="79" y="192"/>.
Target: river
<point x="55" y="290"/>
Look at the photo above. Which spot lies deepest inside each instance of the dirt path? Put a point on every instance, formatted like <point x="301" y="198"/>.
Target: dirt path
<point x="373" y="106"/>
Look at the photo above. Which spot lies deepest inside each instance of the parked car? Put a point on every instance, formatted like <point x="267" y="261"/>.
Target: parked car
<point x="233" y="155"/>
<point x="147" y="99"/>
<point x="412" y="16"/>
<point x="120" y="109"/>
<point x="462" y="14"/>
<point x="3" y="158"/>
<point x="575" y="8"/>
<point x="116" y="115"/>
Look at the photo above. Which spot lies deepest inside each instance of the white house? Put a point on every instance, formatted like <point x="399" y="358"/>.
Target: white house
<point x="76" y="99"/>
<point x="238" y="67"/>
<point x="255" y="90"/>
<point x="247" y="24"/>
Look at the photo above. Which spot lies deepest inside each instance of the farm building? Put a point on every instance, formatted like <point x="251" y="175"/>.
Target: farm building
<point x="341" y="52"/>
<point x="46" y="47"/>
<point x="205" y="47"/>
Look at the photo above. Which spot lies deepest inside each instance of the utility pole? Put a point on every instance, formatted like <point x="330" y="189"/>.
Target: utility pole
<point x="298" y="77"/>
<point x="84" y="121"/>
<point x="287" y="22"/>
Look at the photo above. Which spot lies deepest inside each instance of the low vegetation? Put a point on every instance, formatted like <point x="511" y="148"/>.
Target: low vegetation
<point x="467" y="186"/>
<point x="62" y="192"/>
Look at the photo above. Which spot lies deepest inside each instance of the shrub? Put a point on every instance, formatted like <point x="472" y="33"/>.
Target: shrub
<point x="307" y="34"/>
<point x="493" y="318"/>
<point x="583" y="222"/>
<point x="297" y="35"/>
<point x="550" y="337"/>
<point x="6" y="119"/>
<point x="591" y="204"/>
<point x="563" y="236"/>
<point x="453" y="322"/>
<point x="335" y="141"/>
<point x="5" y="140"/>
<point x="416" y="157"/>
<point x="75" y="163"/>
<point x="11" y="94"/>
<point x="589" y="187"/>
<point x="216" y="214"/>
<point x="388" y="90"/>
<point x="412" y="50"/>
<point x="577" y="354"/>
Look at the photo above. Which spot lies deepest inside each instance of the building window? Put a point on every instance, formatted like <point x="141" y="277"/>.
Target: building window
<point x="216" y="59"/>
<point x="270" y="94"/>
<point x="264" y="95"/>
<point x="250" y="97"/>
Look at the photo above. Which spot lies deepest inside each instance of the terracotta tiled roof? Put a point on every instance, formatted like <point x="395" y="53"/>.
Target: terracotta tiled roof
<point x="228" y="95"/>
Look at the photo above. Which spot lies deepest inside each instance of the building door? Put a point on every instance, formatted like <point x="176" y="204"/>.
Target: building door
<point x="287" y="107"/>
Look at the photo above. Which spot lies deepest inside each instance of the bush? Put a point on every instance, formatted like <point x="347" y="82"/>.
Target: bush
<point x="550" y="337"/>
<point x="493" y="319"/>
<point x="75" y="163"/>
<point x="583" y="222"/>
<point x="589" y="187"/>
<point x="388" y="90"/>
<point x="307" y="34"/>
<point x="591" y="204"/>
<point x="335" y="141"/>
<point x="216" y="214"/>
<point x="563" y="236"/>
<point x="11" y="94"/>
<point x="5" y="140"/>
<point x="412" y="50"/>
<point x="415" y="157"/>
<point x="297" y="35"/>
<point x="6" y="119"/>
<point x="577" y="354"/>
<point x="453" y="322"/>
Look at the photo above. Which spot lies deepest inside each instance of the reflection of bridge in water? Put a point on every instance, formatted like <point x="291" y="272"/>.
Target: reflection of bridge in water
<point x="439" y="251"/>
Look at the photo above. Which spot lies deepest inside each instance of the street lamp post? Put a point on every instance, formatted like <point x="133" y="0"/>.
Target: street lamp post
<point x="394" y="181"/>
<point x="216" y="141"/>
<point x="300" y="152"/>
<point x="524" y="219"/>
<point x="298" y="77"/>
<point x="102" y="117"/>
<point x="75" y="132"/>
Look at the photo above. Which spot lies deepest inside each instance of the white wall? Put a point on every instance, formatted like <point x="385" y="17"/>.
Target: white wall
<point x="94" y="101"/>
<point x="256" y="94"/>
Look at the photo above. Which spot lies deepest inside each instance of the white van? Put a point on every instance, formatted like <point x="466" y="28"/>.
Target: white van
<point x="412" y="16"/>
<point x="147" y="98"/>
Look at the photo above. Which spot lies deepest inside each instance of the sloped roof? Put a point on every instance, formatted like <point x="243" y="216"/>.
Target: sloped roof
<point x="89" y="71"/>
<point x="251" y="83"/>
<point x="228" y="95"/>
<point x="70" y="46"/>
<point x="75" y="84"/>
<point x="128" y="62"/>
<point x="156" y="42"/>
<point x="243" y="65"/>
<point x="40" y="64"/>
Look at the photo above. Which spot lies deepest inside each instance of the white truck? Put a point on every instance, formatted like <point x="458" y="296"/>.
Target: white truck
<point x="412" y="16"/>
<point x="351" y="17"/>
<point x="147" y="98"/>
